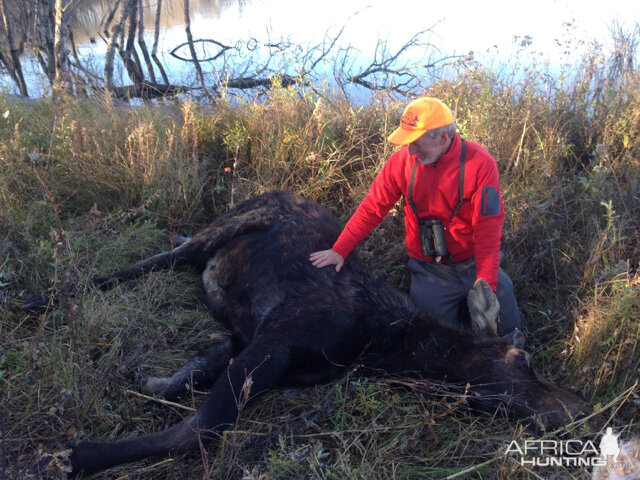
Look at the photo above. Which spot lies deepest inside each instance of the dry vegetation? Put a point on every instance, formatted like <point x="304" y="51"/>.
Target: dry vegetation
<point x="87" y="187"/>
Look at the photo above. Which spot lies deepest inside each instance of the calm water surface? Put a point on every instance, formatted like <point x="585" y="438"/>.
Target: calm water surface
<point x="283" y="31"/>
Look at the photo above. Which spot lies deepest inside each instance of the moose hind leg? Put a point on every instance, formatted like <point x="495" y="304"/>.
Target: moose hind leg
<point x="201" y="371"/>
<point x="483" y="307"/>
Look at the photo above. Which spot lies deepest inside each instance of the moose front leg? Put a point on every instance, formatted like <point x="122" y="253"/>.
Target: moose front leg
<point x="201" y="371"/>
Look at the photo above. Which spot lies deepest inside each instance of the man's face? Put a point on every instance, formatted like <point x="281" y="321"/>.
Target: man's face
<point x="429" y="150"/>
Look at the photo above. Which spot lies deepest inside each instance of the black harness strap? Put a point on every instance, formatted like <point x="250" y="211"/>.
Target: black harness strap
<point x="411" y="182"/>
<point x="461" y="182"/>
<point x="460" y="185"/>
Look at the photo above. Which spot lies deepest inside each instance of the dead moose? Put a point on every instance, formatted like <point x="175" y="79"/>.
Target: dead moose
<point x="295" y="325"/>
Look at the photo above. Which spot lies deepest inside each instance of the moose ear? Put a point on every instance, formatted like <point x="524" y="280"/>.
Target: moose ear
<point x="515" y="338"/>
<point x="483" y="307"/>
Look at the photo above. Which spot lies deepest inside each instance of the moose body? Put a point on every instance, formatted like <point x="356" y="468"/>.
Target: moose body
<point x="295" y="325"/>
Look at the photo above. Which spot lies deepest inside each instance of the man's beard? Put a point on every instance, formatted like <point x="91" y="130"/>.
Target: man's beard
<point x="425" y="160"/>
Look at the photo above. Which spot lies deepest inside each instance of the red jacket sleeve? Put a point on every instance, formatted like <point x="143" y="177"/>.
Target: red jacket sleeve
<point x="487" y="220"/>
<point x="384" y="193"/>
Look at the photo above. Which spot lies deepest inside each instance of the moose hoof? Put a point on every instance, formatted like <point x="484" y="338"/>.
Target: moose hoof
<point x="483" y="307"/>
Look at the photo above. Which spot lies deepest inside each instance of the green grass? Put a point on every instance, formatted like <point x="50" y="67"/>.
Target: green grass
<point x="91" y="186"/>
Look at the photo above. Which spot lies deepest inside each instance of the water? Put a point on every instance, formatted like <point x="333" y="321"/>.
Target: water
<point x="269" y="37"/>
<point x="264" y="38"/>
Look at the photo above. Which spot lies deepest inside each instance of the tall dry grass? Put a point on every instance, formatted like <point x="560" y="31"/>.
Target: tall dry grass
<point x="89" y="186"/>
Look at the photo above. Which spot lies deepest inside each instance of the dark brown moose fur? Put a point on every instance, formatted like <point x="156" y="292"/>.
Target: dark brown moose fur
<point x="295" y="325"/>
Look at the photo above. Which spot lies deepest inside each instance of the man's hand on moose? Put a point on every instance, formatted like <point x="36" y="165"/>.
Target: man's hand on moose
<point x="324" y="258"/>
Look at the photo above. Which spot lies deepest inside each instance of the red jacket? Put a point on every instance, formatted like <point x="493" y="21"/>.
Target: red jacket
<point x="476" y="229"/>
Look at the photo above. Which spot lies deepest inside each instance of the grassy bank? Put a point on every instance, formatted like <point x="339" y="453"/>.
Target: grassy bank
<point x="88" y="187"/>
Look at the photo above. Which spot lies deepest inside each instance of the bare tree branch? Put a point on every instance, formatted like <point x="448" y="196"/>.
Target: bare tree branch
<point x="45" y="46"/>
<point x="156" y="35"/>
<point x="111" y="48"/>
<point x="106" y="22"/>
<point x="387" y="71"/>
<point x="127" y="49"/>
<point x="142" y="44"/>
<point x="192" y="50"/>
<point x="325" y="50"/>
<point x="62" y="80"/>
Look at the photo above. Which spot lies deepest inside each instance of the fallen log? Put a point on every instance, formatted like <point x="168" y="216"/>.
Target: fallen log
<point x="148" y="91"/>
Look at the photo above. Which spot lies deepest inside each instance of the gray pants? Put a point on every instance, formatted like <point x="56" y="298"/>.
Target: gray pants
<point x="441" y="289"/>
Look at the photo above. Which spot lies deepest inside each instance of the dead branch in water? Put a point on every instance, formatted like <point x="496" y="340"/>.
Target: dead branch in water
<point x="203" y="41"/>
<point x="389" y="71"/>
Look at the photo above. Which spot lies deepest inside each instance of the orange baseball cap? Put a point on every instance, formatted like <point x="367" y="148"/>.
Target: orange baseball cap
<point x="420" y="116"/>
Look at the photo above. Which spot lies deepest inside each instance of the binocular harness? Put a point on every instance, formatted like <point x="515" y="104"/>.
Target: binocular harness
<point x="431" y="229"/>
